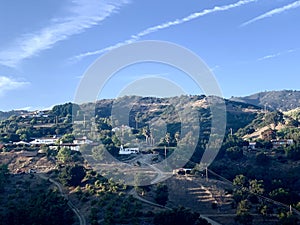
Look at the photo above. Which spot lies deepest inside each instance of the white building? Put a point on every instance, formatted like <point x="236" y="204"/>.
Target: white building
<point x="82" y="141"/>
<point x="44" y="141"/>
<point x="128" y="151"/>
<point x="252" y="145"/>
<point x="282" y="142"/>
<point x="121" y="128"/>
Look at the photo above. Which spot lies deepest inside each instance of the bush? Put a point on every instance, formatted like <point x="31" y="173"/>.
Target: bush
<point x="161" y="194"/>
<point x="234" y="153"/>
<point x="262" y="159"/>
<point x="72" y="175"/>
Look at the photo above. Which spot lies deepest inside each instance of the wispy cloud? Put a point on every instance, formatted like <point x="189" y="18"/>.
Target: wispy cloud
<point x="82" y="15"/>
<point x="162" y="26"/>
<point x="274" y="55"/>
<point x="270" y="56"/>
<point x="25" y="108"/>
<point x="216" y="67"/>
<point x="8" y="84"/>
<point x="273" y="12"/>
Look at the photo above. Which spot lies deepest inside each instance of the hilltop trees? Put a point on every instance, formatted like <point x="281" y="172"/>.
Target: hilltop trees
<point x="64" y="110"/>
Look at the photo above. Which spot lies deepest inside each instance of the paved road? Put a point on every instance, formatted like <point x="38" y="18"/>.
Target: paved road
<point x="81" y="218"/>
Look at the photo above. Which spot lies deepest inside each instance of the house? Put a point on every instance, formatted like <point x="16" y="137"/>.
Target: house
<point x="31" y="171"/>
<point x="82" y="141"/>
<point x="121" y="128"/>
<point x="22" y="143"/>
<point x="44" y="141"/>
<point x="252" y="146"/>
<point x="282" y="142"/>
<point x="75" y="145"/>
<point x="128" y="151"/>
<point x="71" y="146"/>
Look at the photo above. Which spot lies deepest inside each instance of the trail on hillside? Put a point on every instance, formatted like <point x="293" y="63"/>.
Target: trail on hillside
<point x="80" y="217"/>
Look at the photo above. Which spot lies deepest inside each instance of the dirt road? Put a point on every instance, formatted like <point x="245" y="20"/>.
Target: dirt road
<point x="80" y="217"/>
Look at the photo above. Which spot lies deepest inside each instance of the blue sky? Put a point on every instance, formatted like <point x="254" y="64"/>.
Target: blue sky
<point x="46" y="46"/>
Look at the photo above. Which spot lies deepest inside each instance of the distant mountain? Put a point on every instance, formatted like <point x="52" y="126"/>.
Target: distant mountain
<point x="275" y="100"/>
<point x="5" y="115"/>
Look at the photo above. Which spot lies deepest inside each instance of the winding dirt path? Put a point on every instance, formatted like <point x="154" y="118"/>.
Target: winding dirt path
<point x="80" y="217"/>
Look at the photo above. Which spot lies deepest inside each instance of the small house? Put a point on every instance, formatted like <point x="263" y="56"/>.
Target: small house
<point x="128" y="151"/>
<point x="252" y="146"/>
<point x="282" y="142"/>
<point x="44" y="141"/>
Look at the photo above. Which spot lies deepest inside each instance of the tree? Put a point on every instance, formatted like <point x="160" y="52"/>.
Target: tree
<point x="72" y="175"/>
<point x="293" y="152"/>
<point x="256" y="186"/>
<point x="239" y="192"/>
<point x="64" y="155"/>
<point x="287" y="219"/>
<point x="265" y="211"/>
<point x="161" y="194"/>
<point x="243" y="214"/>
<point x="67" y="138"/>
<point x="279" y="194"/>
<point x="179" y="216"/>
<point x="234" y="153"/>
<point x="3" y="175"/>
<point x="40" y="207"/>
<point x="12" y="137"/>
<point x="262" y="159"/>
<point x="24" y="134"/>
<point x="240" y="180"/>
<point x="94" y="216"/>
<point x="98" y="152"/>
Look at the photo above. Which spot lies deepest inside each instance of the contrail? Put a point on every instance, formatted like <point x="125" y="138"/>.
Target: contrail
<point x="273" y="12"/>
<point x="156" y="28"/>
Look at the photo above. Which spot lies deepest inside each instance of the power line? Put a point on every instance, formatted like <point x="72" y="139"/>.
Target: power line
<point x="289" y="207"/>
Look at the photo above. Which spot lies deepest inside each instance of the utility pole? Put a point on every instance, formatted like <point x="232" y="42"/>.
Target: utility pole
<point x="206" y="174"/>
<point x="265" y="108"/>
<point x="84" y="121"/>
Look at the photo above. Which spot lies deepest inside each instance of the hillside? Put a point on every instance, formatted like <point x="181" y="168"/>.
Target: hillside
<point x="274" y="100"/>
<point x="143" y="109"/>
<point x="230" y="186"/>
